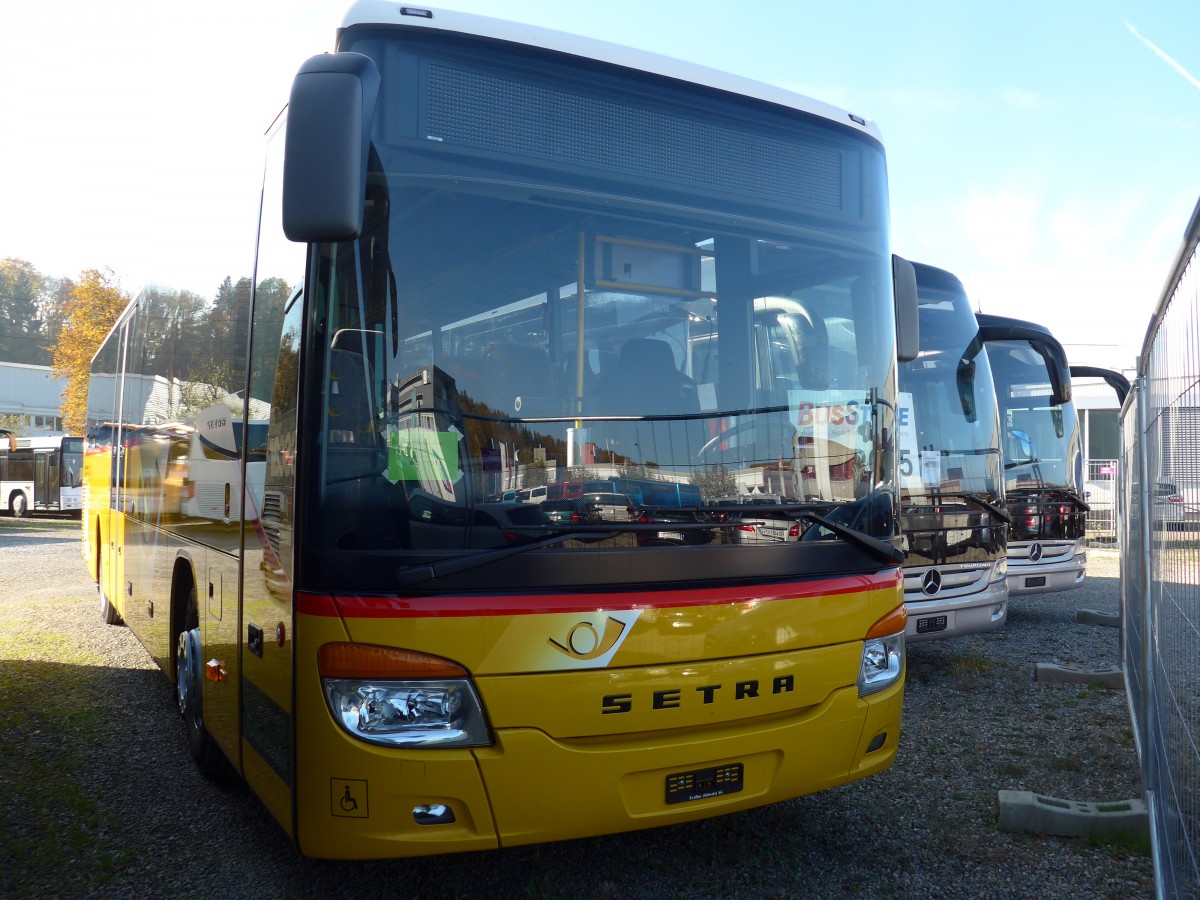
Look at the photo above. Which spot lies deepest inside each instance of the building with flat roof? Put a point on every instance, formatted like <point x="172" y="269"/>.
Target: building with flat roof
<point x="31" y="399"/>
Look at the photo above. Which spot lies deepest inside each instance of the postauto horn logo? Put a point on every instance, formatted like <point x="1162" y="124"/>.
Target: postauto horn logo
<point x="585" y="642"/>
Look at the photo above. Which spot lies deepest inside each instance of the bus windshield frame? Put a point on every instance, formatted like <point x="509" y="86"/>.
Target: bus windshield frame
<point x="728" y="339"/>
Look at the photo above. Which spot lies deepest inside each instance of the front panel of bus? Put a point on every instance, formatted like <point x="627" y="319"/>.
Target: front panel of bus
<point x="571" y="274"/>
<point x="1043" y="471"/>
<point x="951" y="482"/>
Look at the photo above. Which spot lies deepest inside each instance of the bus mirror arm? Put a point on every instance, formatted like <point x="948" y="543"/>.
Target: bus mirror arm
<point x="1000" y="328"/>
<point x="329" y="116"/>
<point x="1115" y="380"/>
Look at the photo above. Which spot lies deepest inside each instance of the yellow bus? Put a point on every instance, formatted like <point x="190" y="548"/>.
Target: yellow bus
<point x="484" y="256"/>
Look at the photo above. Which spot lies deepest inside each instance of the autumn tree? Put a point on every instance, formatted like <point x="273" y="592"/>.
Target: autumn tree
<point x="95" y="303"/>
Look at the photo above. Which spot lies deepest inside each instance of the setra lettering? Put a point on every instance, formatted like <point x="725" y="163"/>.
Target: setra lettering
<point x="707" y="694"/>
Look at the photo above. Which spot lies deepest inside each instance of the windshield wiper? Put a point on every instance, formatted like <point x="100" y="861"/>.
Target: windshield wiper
<point x="410" y="575"/>
<point x="997" y="511"/>
<point x="882" y="549"/>
<point x="1068" y="494"/>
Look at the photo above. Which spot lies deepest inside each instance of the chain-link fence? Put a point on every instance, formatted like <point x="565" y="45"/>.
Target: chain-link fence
<point x="1160" y="581"/>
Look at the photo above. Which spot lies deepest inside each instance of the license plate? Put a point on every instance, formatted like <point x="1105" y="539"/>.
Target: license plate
<point x="1035" y="581"/>
<point x="671" y="535"/>
<point x="930" y="624"/>
<point x="701" y="784"/>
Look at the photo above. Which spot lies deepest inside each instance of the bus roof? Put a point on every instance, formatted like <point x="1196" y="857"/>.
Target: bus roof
<point x="384" y="12"/>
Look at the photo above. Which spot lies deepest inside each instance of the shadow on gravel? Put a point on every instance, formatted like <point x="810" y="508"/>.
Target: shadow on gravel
<point x="95" y="777"/>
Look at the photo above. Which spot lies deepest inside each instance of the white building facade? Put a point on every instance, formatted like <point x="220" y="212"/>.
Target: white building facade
<point x="31" y="399"/>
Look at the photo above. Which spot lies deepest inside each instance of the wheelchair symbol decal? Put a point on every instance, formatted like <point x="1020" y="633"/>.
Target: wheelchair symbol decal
<point x="348" y="798"/>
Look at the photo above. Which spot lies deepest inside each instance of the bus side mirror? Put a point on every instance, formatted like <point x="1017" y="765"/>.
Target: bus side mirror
<point x="1057" y="369"/>
<point x="904" y="287"/>
<point x="329" y="118"/>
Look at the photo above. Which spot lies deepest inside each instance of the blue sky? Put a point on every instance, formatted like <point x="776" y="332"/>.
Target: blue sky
<point x="1046" y="152"/>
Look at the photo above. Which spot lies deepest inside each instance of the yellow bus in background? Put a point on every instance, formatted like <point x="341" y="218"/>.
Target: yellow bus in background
<point x="486" y="252"/>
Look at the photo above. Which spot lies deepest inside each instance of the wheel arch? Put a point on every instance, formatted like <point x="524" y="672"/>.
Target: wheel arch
<point x="26" y="502"/>
<point x="183" y="579"/>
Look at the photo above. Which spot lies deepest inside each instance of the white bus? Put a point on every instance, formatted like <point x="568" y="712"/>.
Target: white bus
<point x="41" y="474"/>
<point x="951" y="473"/>
<point x="1042" y="452"/>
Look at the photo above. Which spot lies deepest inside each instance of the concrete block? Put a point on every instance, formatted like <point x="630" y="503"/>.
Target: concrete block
<point x="1025" y="811"/>
<point x="1093" y="617"/>
<point x="1054" y="673"/>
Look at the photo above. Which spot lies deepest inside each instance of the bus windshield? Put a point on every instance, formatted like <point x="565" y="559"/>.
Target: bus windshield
<point x="949" y="440"/>
<point x="1042" y="447"/>
<point x="501" y="327"/>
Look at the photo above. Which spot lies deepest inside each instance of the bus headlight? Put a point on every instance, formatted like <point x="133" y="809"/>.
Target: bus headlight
<point x="1000" y="570"/>
<point x="409" y="714"/>
<point x="882" y="663"/>
<point x="400" y="698"/>
<point x="883" y="653"/>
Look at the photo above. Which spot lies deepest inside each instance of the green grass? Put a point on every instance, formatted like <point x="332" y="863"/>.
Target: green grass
<point x="970" y="665"/>
<point x="43" y="805"/>
<point x="51" y="683"/>
<point x="1010" y="770"/>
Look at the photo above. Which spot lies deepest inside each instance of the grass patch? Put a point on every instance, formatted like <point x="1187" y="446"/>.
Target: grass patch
<point x="1010" y="770"/>
<point x="24" y="635"/>
<point x="1064" y="764"/>
<point x="970" y="665"/>
<point x="1123" y="843"/>
<point x="43" y="804"/>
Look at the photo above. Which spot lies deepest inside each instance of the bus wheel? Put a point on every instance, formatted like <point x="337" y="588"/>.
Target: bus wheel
<point x="108" y="612"/>
<point x="18" y="504"/>
<point x="189" y="690"/>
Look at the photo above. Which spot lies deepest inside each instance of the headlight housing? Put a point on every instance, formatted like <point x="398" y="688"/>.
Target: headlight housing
<point x="1000" y="569"/>
<point x="882" y="663"/>
<point x="398" y="698"/>
<point x="883" y="653"/>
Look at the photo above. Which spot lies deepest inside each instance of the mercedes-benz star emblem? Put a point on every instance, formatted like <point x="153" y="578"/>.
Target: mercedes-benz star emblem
<point x="1035" y="552"/>
<point x="931" y="583"/>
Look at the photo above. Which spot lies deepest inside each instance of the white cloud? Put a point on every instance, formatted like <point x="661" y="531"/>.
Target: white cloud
<point x="1088" y="267"/>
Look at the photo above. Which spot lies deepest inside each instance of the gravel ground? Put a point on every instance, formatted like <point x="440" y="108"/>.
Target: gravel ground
<point x="99" y="798"/>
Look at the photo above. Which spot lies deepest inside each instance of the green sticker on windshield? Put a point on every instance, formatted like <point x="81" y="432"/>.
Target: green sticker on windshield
<point x="424" y="456"/>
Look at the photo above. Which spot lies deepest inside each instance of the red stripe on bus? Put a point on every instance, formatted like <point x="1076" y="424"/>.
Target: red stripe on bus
<point x="355" y="606"/>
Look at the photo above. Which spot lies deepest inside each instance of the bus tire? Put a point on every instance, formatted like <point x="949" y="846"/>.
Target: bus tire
<point x="189" y="691"/>
<point x="19" y="505"/>
<point x="108" y="612"/>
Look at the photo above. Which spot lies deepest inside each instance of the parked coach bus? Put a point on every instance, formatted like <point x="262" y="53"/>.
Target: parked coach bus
<point x="42" y="474"/>
<point x="1043" y="461"/>
<point x="951" y="474"/>
<point x="1043" y="453"/>
<point x="484" y="252"/>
